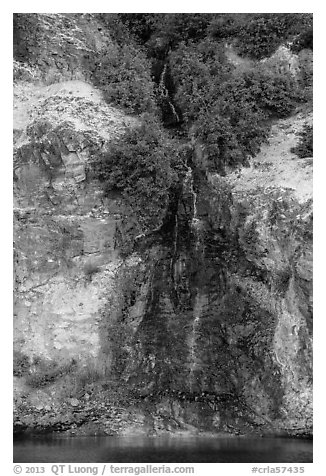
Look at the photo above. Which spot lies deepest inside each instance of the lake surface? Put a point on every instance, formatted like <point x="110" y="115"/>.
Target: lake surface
<point x="162" y="449"/>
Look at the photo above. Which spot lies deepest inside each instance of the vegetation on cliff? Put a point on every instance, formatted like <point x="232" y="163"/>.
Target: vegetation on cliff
<point x="142" y="166"/>
<point x="226" y="109"/>
<point x="256" y="35"/>
<point x="123" y="74"/>
<point x="209" y="322"/>
<point x="183" y="58"/>
<point x="305" y="146"/>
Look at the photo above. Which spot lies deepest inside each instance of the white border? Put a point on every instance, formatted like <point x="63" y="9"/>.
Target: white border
<point x="318" y="467"/>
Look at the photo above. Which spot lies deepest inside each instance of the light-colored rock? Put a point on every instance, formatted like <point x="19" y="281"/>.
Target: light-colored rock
<point x="74" y="402"/>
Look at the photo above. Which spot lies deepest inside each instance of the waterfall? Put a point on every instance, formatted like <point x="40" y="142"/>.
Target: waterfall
<point x="188" y="184"/>
<point x="174" y="112"/>
<point x="174" y="254"/>
<point x="162" y="88"/>
<point x="192" y="349"/>
<point x="200" y="301"/>
<point x="164" y="93"/>
<point x="175" y="239"/>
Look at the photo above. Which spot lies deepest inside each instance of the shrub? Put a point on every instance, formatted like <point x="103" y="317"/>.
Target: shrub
<point x="198" y="71"/>
<point x="257" y="35"/>
<point x="226" y="109"/>
<point x="229" y="139"/>
<point x="139" y="166"/>
<point x="305" y="74"/>
<point x="227" y="26"/>
<point x="264" y="33"/>
<point x="304" y="148"/>
<point x="140" y="25"/>
<point x="273" y="92"/>
<point x="178" y="27"/>
<point x="117" y="30"/>
<point x="123" y="74"/>
<point x="161" y="32"/>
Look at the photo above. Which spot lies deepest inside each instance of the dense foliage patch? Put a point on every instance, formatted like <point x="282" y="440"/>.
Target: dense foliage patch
<point x="305" y="146"/>
<point x="123" y="74"/>
<point x="256" y="35"/>
<point x="163" y="31"/>
<point x="263" y="33"/>
<point x="228" y="109"/>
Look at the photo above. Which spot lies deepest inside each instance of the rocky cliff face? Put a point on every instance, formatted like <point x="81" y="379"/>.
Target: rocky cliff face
<point x="205" y="326"/>
<point x="56" y="46"/>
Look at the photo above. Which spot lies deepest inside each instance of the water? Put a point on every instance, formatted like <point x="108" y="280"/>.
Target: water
<point x="162" y="449"/>
<point x="164" y="93"/>
<point x="200" y="302"/>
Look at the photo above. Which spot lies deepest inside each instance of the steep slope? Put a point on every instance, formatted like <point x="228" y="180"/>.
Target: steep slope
<point x="58" y="130"/>
<point x="275" y="166"/>
<point x="226" y="333"/>
<point x="53" y="47"/>
<point x="204" y="325"/>
<point x="276" y="236"/>
<point x="65" y="232"/>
